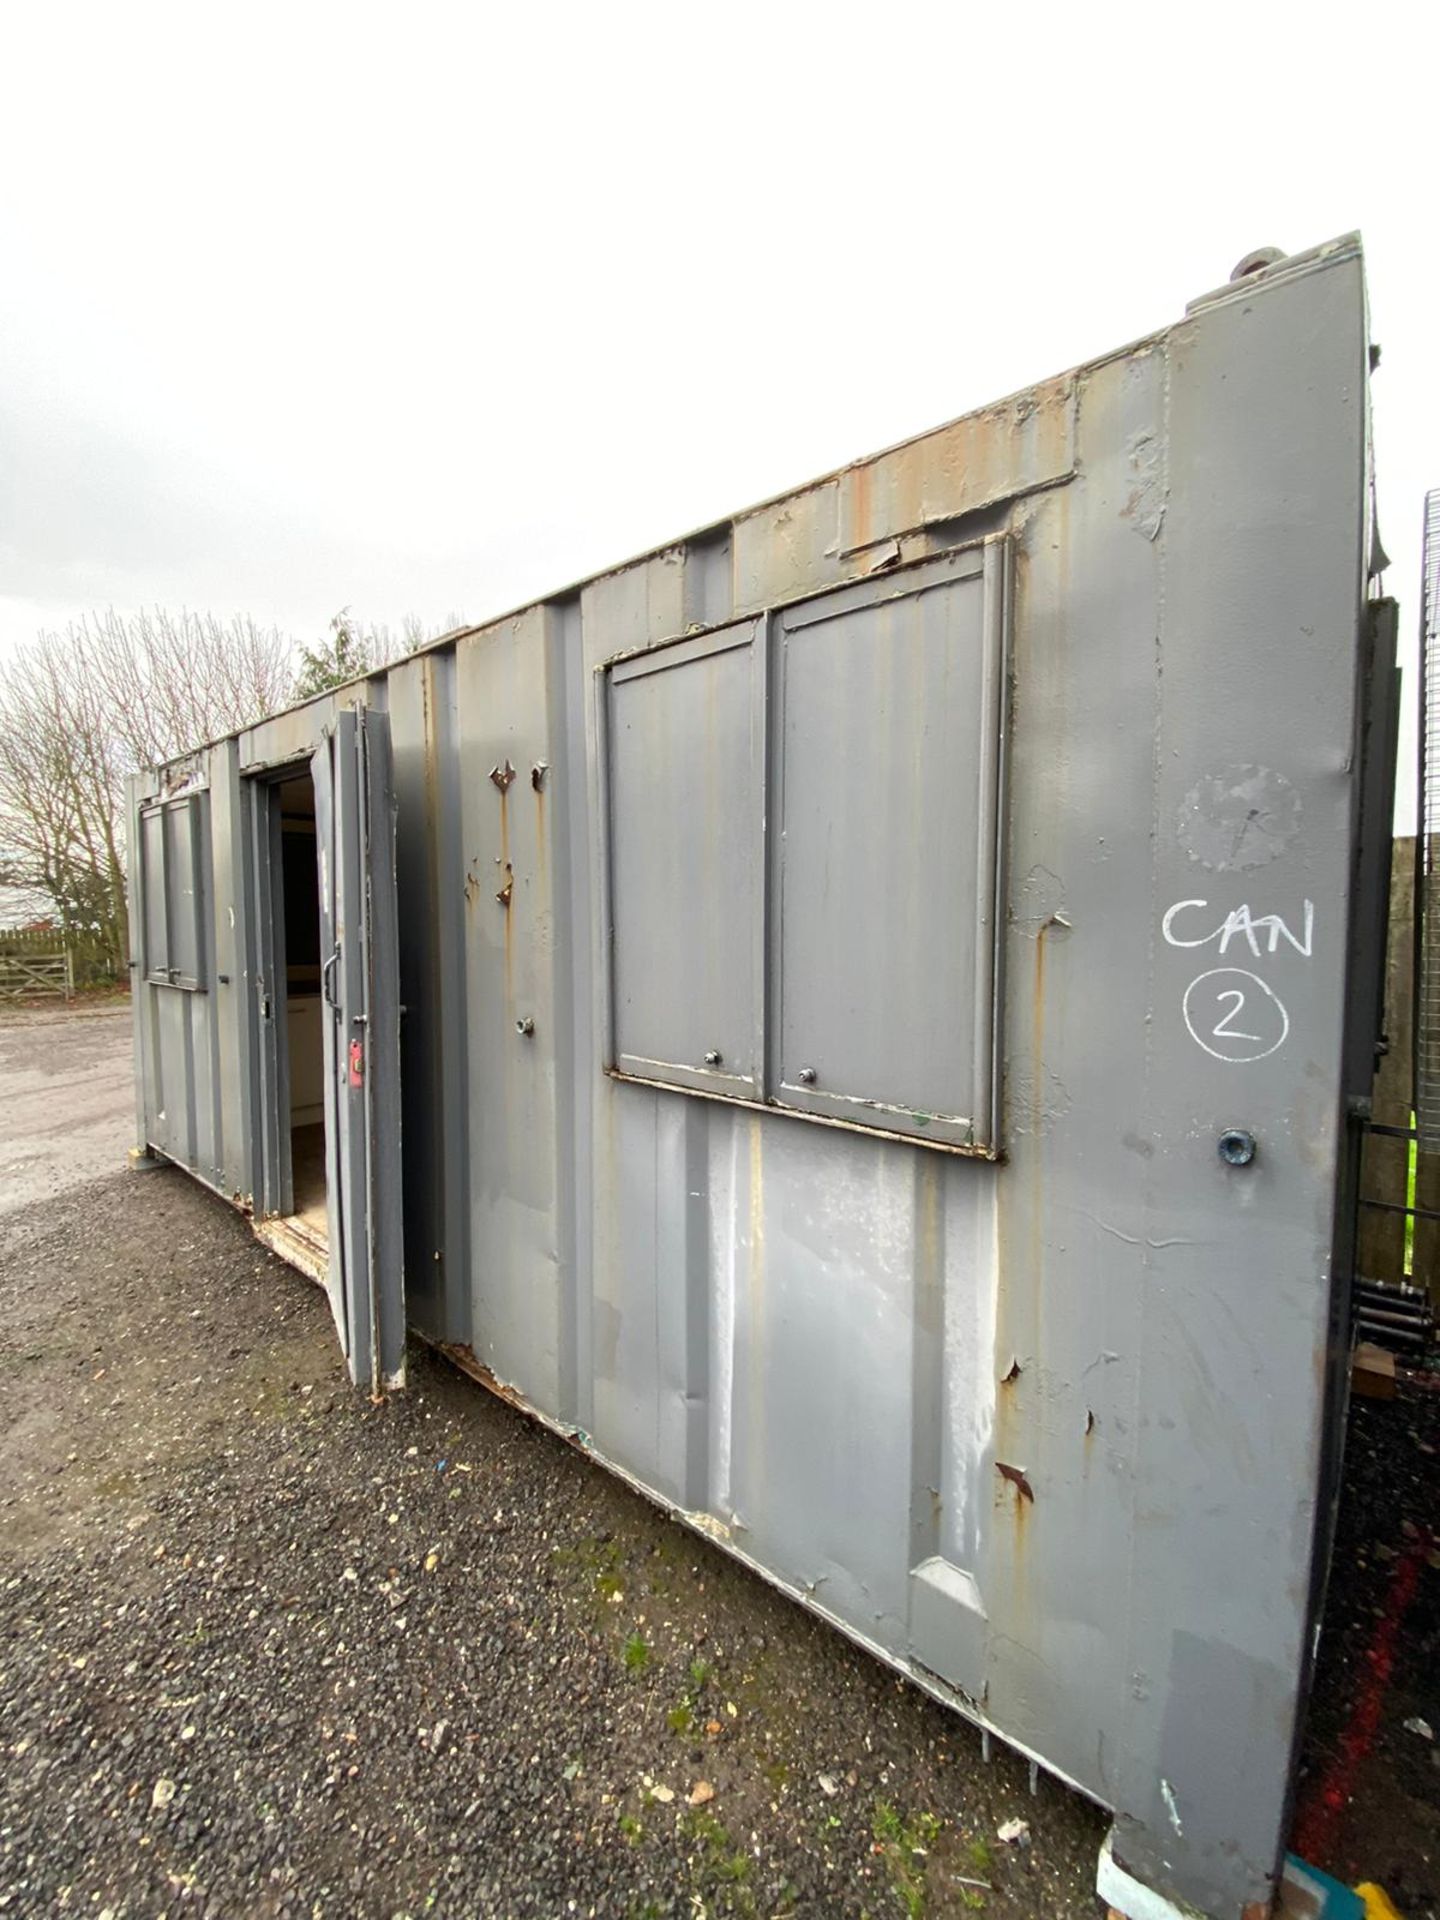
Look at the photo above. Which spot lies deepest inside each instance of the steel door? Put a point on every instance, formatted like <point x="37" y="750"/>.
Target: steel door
<point x="360" y="982"/>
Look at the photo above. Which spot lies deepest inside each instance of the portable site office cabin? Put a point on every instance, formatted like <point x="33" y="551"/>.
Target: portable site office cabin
<point x="884" y="985"/>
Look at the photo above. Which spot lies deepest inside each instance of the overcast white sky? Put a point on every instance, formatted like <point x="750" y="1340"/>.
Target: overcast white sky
<point x="434" y="309"/>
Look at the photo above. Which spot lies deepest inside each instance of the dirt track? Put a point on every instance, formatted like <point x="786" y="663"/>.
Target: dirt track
<point x="67" y="1100"/>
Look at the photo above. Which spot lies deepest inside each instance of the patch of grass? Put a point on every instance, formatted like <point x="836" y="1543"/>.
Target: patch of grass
<point x="719" y="1868"/>
<point x="636" y="1653"/>
<point x="973" y="1898"/>
<point x="978" y="1853"/>
<point x="632" y="1829"/>
<point x="590" y="1557"/>
<point x="685" y="1715"/>
<point x="905" y="1847"/>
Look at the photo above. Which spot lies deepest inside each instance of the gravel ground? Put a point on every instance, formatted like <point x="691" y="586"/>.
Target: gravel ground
<point x="1369" y="1791"/>
<point x="268" y="1649"/>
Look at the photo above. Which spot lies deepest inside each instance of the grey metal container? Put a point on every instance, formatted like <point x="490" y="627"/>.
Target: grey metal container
<point x="882" y="982"/>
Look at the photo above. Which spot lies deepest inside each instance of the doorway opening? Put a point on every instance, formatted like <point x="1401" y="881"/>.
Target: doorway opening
<point x="300" y="1232"/>
<point x="325" y="971"/>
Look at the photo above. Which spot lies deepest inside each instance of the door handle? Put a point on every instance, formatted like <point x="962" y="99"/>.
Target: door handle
<point x="327" y="974"/>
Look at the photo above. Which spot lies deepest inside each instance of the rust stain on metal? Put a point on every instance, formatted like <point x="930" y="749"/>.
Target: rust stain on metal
<point x="502" y="776"/>
<point x="1017" y="1478"/>
<point x="859" y="502"/>
<point x="507" y="888"/>
<point x="541" y="848"/>
<point x="463" y="1355"/>
<point x="1016" y="447"/>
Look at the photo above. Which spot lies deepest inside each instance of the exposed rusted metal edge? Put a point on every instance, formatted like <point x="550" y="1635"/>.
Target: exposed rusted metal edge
<point x="1003" y="496"/>
<point x="707" y="1527"/>
<point x="969" y="552"/>
<point x="302" y="756"/>
<point x="994" y="1154"/>
<point x="572" y="588"/>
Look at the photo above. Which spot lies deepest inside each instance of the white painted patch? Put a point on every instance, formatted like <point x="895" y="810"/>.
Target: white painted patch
<point x="1167" y="1794"/>
<point x="1131" y="1897"/>
<point x="724" y="1187"/>
<point x="972" y="1267"/>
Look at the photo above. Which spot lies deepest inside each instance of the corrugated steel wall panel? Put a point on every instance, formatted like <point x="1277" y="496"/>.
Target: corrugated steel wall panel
<point x="1044" y="1431"/>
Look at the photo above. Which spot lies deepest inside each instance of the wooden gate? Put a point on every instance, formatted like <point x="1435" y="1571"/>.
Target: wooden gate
<point x="35" y="963"/>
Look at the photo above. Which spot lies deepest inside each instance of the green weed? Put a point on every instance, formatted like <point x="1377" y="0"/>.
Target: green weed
<point x="905" y="1846"/>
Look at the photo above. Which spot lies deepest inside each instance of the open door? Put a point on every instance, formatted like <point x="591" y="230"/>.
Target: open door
<point x="360" y="1022"/>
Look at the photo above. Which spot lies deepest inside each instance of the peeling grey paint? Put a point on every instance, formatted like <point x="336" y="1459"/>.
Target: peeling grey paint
<point x="1238" y="817"/>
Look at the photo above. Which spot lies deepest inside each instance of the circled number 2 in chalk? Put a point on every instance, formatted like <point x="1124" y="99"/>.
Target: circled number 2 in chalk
<point x="1234" y="1015"/>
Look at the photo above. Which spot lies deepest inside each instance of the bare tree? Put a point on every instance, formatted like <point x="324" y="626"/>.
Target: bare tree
<point x="81" y="709"/>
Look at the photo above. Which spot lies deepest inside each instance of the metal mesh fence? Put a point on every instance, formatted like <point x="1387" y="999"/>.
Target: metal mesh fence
<point x="1427" y="867"/>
